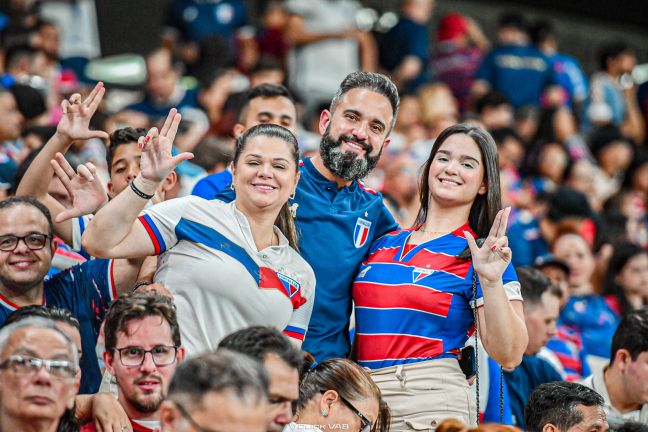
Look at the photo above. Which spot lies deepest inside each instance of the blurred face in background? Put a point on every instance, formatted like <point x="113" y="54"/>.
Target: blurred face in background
<point x="576" y="253"/>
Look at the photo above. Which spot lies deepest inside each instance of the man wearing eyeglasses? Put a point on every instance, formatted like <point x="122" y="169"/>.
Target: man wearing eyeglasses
<point x="143" y="349"/>
<point x="86" y="290"/>
<point x="38" y="364"/>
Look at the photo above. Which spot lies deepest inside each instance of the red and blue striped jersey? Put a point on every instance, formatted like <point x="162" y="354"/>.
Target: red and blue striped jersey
<point x="415" y="303"/>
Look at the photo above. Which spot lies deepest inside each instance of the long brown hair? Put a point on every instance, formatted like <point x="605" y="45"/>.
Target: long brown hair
<point x="285" y="221"/>
<point x="485" y="207"/>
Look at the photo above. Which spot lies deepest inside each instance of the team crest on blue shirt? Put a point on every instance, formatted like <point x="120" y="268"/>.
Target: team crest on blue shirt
<point x="291" y="286"/>
<point x="361" y="232"/>
<point x="420" y="273"/>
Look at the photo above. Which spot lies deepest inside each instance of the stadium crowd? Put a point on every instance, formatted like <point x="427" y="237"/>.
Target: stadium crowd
<point x="304" y="224"/>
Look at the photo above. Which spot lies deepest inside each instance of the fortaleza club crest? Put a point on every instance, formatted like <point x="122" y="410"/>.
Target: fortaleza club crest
<point x="361" y="232"/>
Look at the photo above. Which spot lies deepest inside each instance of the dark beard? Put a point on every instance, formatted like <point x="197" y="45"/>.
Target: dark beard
<point x="147" y="407"/>
<point x="347" y="165"/>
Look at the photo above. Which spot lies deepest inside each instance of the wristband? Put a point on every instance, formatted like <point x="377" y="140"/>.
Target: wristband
<point x="139" y="284"/>
<point x="139" y="193"/>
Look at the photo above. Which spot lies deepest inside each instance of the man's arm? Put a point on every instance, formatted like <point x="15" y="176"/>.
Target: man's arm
<point x="73" y="126"/>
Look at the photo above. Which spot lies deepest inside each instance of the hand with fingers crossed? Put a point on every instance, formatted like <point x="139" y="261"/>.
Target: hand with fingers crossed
<point x="85" y="188"/>
<point x="491" y="259"/>
<point x="157" y="160"/>
<point x="75" y="122"/>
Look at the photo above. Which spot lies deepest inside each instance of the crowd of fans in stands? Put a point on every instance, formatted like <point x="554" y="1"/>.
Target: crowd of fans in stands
<point x="310" y="223"/>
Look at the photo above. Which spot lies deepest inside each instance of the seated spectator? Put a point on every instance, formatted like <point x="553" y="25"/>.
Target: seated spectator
<point x="38" y="364"/>
<point x="401" y="186"/>
<point x="281" y="360"/>
<point x="214" y="155"/>
<point x="541" y="308"/>
<point x="625" y="285"/>
<point x="99" y="407"/>
<point x="495" y="110"/>
<point x="635" y="184"/>
<point x="136" y="325"/>
<point x="613" y="153"/>
<point x="565" y="348"/>
<point x="564" y="407"/>
<point x="612" y="98"/>
<point x="339" y="392"/>
<point x="585" y="310"/>
<point x="623" y="384"/>
<point x="220" y="391"/>
<point x="86" y="289"/>
<point x="516" y="68"/>
<point x="10" y="129"/>
<point x="458" y="54"/>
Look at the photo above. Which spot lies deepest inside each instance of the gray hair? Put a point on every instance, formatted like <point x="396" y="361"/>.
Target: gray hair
<point x="40" y="323"/>
<point x="373" y="81"/>
<point x="220" y="371"/>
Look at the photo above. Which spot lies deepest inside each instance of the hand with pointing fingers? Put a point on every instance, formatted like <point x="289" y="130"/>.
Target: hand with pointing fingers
<point x="491" y="259"/>
<point x="75" y="121"/>
<point x="85" y="188"/>
<point x="157" y="159"/>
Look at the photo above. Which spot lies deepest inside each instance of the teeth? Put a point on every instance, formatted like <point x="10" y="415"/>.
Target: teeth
<point x="354" y="145"/>
<point x="264" y="187"/>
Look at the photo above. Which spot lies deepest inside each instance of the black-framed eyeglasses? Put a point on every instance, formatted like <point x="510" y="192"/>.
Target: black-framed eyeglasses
<point x="34" y="241"/>
<point x="162" y="355"/>
<point x="365" y="425"/>
<point x="24" y="365"/>
<point x="187" y="416"/>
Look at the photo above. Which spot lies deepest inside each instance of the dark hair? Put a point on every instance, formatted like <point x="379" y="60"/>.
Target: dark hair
<point x="557" y="403"/>
<point x="513" y="19"/>
<point x="257" y="341"/>
<point x="540" y="31"/>
<point x="220" y="371"/>
<point x="611" y="51"/>
<point x="54" y="313"/>
<point x="604" y="136"/>
<point x="491" y="99"/>
<point x="127" y="135"/>
<point x="348" y="379"/>
<point x="631" y="426"/>
<point x="137" y="306"/>
<point x="30" y="101"/>
<point x="15" y="201"/>
<point x="631" y="334"/>
<point x="17" y="53"/>
<point x="212" y="151"/>
<point x="623" y="252"/>
<point x="640" y="158"/>
<point x="533" y="285"/>
<point x="485" y="207"/>
<point x="285" y="221"/>
<point x="373" y="81"/>
<point x="262" y="91"/>
<point x="501" y="134"/>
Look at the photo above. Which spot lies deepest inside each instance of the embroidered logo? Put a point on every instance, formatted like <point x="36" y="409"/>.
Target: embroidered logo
<point x="361" y="232"/>
<point x="420" y="273"/>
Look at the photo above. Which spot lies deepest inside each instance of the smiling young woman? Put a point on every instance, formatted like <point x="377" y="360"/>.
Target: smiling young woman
<point x="228" y="266"/>
<point x="416" y="293"/>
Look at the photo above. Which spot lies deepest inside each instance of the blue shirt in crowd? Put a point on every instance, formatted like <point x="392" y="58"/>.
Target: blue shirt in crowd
<point x="521" y="73"/>
<point x="336" y="228"/>
<point x="210" y="186"/>
<point x="86" y="290"/>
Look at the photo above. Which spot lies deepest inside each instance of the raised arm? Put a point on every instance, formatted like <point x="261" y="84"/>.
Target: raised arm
<point x="114" y="231"/>
<point x="501" y="321"/>
<point x="73" y="126"/>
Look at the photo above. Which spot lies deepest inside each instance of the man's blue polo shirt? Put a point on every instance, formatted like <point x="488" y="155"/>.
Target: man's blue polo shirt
<point x="336" y="228"/>
<point x="86" y="290"/>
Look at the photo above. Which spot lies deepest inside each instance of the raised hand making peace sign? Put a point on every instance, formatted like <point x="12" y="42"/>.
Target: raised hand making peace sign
<point x="75" y="122"/>
<point x="491" y="259"/>
<point x="157" y="158"/>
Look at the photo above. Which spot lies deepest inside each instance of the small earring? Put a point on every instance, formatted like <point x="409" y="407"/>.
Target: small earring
<point x="292" y="196"/>
<point x="232" y="186"/>
<point x="324" y="413"/>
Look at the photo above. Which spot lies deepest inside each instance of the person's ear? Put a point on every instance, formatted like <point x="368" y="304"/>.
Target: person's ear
<point x="169" y="415"/>
<point x="180" y="355"/>
<point x="111" y="190"/>
<point x="325" y="120"/>
<point x="621" y="359"/>
<point x="238" y="130"/>
<point x="108" y="360"/>
<point x="169" y="181"/>
<point x="550" y="428"/>
<point x="483" y="188"/>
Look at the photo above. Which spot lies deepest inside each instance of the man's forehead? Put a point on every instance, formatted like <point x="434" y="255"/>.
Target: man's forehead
<point x="35" y="339"/>
<point x="126" y="151"/>
<point x="367" y="102"/>
<point x="25" y="214"/>
<point x="272" y="103"/>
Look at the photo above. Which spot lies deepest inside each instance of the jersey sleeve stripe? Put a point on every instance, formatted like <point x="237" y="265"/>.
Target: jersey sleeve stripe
<point x="295" y="332"/>
<point x="154" y="234"/>
<point x="111" y="280"/>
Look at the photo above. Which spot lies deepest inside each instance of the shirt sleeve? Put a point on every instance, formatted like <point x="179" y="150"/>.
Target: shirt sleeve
<point x="79" y="225"/>
<point x="227" y="194"/>
<point x="386" y="223"/>
<point x="509" y="280"/>
<point x="298" y="324"/>
<point x="486" y="69"/>
<point x="161" y="220"/>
